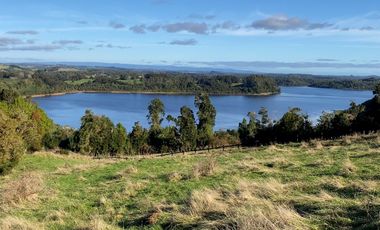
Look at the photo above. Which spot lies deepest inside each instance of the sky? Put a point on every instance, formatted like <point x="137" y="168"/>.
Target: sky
<point x="276" y="36"/>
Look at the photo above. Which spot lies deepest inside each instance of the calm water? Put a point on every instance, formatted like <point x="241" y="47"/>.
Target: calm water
<point x="128" y="108"/>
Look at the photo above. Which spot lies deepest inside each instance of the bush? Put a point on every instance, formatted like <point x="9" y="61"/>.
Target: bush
<point x="12" y="145"/>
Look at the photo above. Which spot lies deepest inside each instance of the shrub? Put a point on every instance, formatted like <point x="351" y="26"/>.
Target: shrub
<point x="12" y="146"/>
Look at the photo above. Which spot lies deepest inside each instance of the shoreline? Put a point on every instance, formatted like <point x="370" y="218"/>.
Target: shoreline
<point x="148" y="93"/>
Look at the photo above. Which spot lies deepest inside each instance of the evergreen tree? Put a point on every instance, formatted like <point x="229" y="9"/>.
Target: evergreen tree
<point x="206" y="119"/>
<point x="248" y="130"/>
<point x="293" y="126"/>
<point x="139" y="139"/>
<point x="265" y="120"/>
<point x="120" y="140"/>
<point x="155" y="117"/>
<point x="156" y="114"/>
<point x="187" y="129"/>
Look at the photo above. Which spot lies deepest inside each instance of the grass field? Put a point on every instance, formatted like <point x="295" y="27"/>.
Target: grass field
<point x="316" y="185"/>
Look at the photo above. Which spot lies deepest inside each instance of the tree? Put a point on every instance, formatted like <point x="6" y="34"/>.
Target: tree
<point x="377" y="90"/>
<point x="206" y="119"/>
<point x="155" y="117"/>
<point x="8" y="95"/>
<point x="293" y="126"/>
<point x="96" y="135"/>
<point x="248" y="130"/>
<point x="12" y="146"/>
<point x="156" y="114"/>
<point x="265" y="120"/>
<point x="139" y="139"/>
<point x="187" y="129"/>
<point x="324" y="129"/>
<point x="120" y="139"/>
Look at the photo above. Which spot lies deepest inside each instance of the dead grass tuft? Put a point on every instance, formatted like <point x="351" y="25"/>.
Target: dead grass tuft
<point x="204" y="168"/>
<point x="25" y="188"/>
<point x="246" y="207"/>
<point x="279" y="162"/>
<point x="250" y="165"/>
<point x="67" y="169"/>
<point x="56" y="216"/>
<point x="97" y="223"/>
<point x="174" y="177"/>
<point x="266" y="215"/>
<point x="131" y="170"/>
<point x="131" y="188"/>
<point x="316" y="144"/>
<point x="16" y="223"/>
<point x="206" y="201"/>
<point x="347" y="167"/>
<point x="264" y="189"/>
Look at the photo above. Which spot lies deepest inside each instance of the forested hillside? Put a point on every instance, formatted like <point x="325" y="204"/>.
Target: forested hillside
<point x="29" y="81"/>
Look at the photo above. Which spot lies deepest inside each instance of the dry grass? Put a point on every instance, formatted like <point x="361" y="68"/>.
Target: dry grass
<point x="347" y="167"/>
<point x="247" y="207"/>
<point x="174" y="177"/>
<point x="265" y="215"/>
<point x="67" y="169"/>
<point x="265" y="189"/>
<point x="25" y="188"/>
<point x="56" y="216"/>
<point x="97" y="223"/>
<point x="316" y="144"/>
<point x="15" y="223"/>
<point x="206" y="201"/>
<point x="204" y="168"/>
<point x="131" y="188"/>
<point x="278" y="162"/>
<point x="250" y="165"/>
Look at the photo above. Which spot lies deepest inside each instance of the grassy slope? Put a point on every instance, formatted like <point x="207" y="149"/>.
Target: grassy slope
<point x="332" y="186"/>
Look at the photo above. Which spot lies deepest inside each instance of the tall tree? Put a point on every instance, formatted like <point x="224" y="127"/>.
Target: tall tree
<point x="156" y="114"/>
<point x="265" y="120"/>
<point x="120" y="139"/>
<point x="293" y="126"/>
<point x="206" y="119"/>
<point x="248" y="130"/>
<point x="187" y="129"/>
<point x="139" y="139"/>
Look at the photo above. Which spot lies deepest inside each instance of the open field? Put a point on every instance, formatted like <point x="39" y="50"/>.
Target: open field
<point x="317" y="185"/>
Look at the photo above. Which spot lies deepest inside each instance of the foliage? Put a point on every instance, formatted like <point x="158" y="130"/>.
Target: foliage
<point x="187" y="129"/>
<point x="139" y="139"/>
<point x="12" y="145"/>
<point x="206" y="119"/>
<point x="23" y="126"/>
<point x="98" y="136"/>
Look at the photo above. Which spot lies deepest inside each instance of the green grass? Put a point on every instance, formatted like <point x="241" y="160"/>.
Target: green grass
<point x="121" y="193"/>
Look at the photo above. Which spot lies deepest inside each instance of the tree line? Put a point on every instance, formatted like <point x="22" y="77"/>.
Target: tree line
<point x="61" y="80"/>
<point x="26" y="128"/>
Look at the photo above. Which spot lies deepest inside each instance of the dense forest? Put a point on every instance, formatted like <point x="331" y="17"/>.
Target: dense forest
<point x="24" y="127"/>
<point x="36" y="80"/>
<point x="29" y="81"/>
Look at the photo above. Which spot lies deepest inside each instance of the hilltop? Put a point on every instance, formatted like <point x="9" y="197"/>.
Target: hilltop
<point x="314" y="185"/>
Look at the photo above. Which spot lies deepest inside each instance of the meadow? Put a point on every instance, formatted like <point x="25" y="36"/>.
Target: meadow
<point x="310" y="185"/>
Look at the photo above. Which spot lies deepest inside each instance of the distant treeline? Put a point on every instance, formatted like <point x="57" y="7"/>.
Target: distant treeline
<point x="327" y="82"/>
<point x="35" y="81"/>
<point x="24" y="127"/>
<point x="59" y="80"/>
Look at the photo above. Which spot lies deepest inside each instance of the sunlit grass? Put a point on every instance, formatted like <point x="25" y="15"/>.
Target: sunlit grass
<point x="332" y="184"/>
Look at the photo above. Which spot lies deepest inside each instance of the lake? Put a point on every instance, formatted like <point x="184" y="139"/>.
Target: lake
<point x="128" y="108"/>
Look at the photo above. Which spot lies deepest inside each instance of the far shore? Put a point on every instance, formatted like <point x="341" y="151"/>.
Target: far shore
<point x="145" y="92"/>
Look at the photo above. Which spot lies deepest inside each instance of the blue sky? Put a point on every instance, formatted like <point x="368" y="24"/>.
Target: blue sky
<point x="283" y="36"/>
